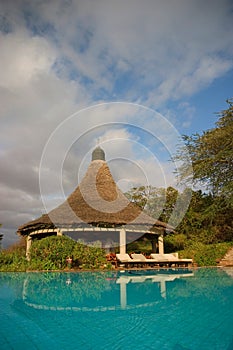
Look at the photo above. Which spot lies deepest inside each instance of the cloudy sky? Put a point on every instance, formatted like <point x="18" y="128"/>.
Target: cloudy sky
<point x="129" y="75"/>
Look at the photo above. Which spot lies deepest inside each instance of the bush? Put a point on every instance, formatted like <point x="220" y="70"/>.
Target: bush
<point x="139" y="246"/>
<point x="88" y="256"/>
<point x="205" y="254"/>
<point x="50" y="253"/>
<point x="13" y="260"/>
<point x="175" y="242"/>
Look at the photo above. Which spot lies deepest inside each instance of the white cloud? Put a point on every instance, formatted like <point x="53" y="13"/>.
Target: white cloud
<point x="23" y="57"/>
<point x="208" y="69"/>
<point x="157" y="43"/>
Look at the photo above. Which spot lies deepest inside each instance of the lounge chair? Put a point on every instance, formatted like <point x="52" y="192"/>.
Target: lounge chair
<point x="143" y="260"/>
<point x="136" y="260"/>
<point x="170" y="259"/>
<point x="178" y="261"/>
<point x="124" y="259"/>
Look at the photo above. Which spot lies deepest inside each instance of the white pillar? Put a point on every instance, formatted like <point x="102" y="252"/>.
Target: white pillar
<point x="59" y="232"/>
<point x="163" y="289"/>
<point x="28" y="246"/>
<point x="123" y="293"/>
<point x="161" y="246"/>
<point x="122" y="241"/>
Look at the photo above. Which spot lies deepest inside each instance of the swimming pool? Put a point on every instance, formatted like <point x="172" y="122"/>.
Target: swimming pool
<point x="152" y="309"/>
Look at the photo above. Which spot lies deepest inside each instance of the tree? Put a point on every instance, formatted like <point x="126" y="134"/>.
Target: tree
<point x="157" y="202"/>
<point x="212" y="157"/>
<point x="138" y="195"/>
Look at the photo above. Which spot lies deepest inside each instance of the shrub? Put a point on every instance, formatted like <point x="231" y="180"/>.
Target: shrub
<point x="205" y="254"/>
<point x="50" y="253"/>
<point x="175" y="242"/>
<point x="88" y="256"/>
<point x="13" y="260"/>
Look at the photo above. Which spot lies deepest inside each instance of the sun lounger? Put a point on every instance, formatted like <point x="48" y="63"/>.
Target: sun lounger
<point x="159" y="257"/>
<point x="139" y="257"/>
<point x="178" y="261"/>
<point x="170" y="259"/>
<point x="135" y="260"/>
<point x="186" y="261"/>
<point x="155" y="259"/>
<point x="125" y="259"/>
<point x="143" y="260"/>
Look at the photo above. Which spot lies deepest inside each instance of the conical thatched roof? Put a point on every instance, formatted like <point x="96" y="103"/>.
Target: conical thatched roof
<point x="97" y="201"/>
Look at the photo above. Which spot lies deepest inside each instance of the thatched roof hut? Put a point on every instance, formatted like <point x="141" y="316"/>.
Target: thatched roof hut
<point x="96" y="203"/>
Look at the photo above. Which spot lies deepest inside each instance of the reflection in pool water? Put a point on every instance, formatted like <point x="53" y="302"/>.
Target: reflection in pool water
<point x="164" y="309"/>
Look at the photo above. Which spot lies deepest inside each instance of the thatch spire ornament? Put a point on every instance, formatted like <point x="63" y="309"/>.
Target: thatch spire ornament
<point x="98" y="154"/>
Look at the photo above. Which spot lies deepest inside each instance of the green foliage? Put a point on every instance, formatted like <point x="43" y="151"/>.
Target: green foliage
<point x="208" y="218"/>
<point x="13" y="260"/>
<point x="88" y="257"/>
<point x="171" y="197"/>
<point x="212" y="157"/>
<point x="138" y="195"/>
<point x="205" y="254"/>
<point x="50" y="253"/>
<point x="139" y="247"/>
<point x="173" y="243"/>
<point x="157" y="202"/>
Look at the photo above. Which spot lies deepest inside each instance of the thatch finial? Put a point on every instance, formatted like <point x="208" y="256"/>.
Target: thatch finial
<point x="98" y="154"/>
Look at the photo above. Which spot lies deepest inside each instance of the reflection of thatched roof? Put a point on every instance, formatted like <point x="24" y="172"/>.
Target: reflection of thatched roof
<point x="96" y="201"/>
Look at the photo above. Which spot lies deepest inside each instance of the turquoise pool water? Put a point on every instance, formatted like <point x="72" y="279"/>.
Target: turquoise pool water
<point x="164" y="309"/>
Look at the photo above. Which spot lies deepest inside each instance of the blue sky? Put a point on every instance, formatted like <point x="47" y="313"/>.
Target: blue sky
<point x="130" y="75"/>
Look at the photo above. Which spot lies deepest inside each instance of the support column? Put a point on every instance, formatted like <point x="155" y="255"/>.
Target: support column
<point x="28" y="246"/>
<point x="59" y="232"/>
<point x="122" y="241"/>
<point x="161" y="245"/>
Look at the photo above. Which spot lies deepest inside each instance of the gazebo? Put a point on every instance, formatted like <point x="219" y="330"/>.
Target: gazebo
<point x="98" y="210"/>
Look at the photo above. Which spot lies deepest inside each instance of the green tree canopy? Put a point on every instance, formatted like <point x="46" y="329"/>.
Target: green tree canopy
<point x="212" y="156"/>
<point x="138" y="195"/>
<point x="196" y="215"/>
<point x="157" y="202"/>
